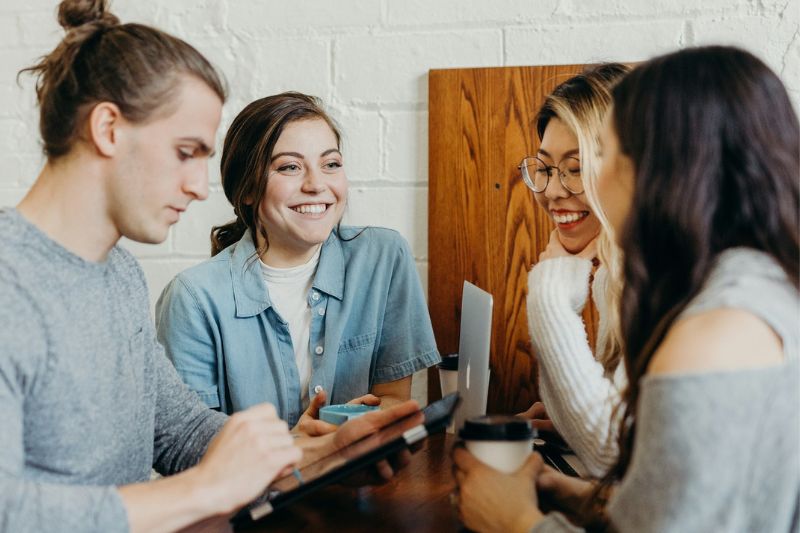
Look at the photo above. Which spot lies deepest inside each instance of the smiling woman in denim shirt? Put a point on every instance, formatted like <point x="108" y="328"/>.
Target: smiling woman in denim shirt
<point x="293" y="308"/>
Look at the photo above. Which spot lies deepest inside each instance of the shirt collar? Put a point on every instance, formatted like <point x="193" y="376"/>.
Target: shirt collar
<point x="330" y="272"/>
<point x="249" y="289"/>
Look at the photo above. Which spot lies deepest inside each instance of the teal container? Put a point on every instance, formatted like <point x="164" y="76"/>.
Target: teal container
<point x="339" y="414"/>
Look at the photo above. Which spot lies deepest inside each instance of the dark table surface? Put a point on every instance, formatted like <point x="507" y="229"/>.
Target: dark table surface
<point x="416" y="499"/>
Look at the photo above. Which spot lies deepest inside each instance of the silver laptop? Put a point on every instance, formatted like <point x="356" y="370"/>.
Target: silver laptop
<point x="473" y="352"/>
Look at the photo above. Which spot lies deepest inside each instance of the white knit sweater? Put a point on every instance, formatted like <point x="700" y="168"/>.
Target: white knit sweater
<point x="579" y="397"/>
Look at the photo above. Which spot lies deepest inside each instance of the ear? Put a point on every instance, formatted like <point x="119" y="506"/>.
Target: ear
<point x="104" y="124"/>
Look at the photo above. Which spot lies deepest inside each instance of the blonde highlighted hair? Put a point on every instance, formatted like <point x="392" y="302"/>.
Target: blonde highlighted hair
<point x="580" y="103"/>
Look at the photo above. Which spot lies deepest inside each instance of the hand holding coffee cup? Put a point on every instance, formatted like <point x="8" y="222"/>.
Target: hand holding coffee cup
<point x="500" y="441"/>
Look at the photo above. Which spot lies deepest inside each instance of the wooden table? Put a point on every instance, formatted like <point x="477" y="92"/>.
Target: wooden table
<point x="417" y="499"/>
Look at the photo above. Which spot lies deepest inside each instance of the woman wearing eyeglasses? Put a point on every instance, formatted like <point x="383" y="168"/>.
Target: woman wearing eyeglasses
<point x="579" y="386"/>
<point x="701" y="154"/>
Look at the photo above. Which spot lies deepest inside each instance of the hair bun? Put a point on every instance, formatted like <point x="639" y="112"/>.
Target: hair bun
<point x="76" y="13"/>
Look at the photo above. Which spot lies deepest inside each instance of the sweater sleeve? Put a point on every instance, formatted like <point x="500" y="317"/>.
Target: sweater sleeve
<point x="579" y="398"/>
<point x="27" y="504"/>
<point x="184" y="426"/>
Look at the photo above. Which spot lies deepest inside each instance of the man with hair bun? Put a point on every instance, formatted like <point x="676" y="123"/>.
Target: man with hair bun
<point x="89" y="402"/>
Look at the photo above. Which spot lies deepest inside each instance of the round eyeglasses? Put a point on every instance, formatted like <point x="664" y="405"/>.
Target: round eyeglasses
<point x="536" y="174"/>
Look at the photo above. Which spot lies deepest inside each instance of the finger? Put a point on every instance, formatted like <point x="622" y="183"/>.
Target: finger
<point x="381" y="418"/>
<point x="547" y="480"/>
<point x="543" y="424"/>
<point x="286" y="471"/>
<point x="317" y="402"/>
<point x="367" y="399"/>
<point x="384" y="470"/>
<point x="316" y="428"/>
<point x="464" y="460"/>
<point x="532" y="466"/>
<point x="590" y="251"/>
<point x="460" y="476"/>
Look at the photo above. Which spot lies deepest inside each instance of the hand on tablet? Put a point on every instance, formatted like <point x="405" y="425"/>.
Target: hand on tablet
<point x="255" y="436"/>
<point x="369" y="423"/>
<point x="310" y="424"/>
<point x="357" y="429"/>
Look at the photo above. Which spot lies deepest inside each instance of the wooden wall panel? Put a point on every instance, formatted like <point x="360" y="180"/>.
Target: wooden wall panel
<point x="484" y="225"/>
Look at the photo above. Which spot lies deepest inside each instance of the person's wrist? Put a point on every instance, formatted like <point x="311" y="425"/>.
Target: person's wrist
<point x="314" y="447"/>
<point x="527" y="520"/>
<point x="205" y="492"/>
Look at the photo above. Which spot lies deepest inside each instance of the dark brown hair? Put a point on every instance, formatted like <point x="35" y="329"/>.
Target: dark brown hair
<point x="246" y="156"/>
<point x="715" y="145"/>
<point x="134" y="66"/>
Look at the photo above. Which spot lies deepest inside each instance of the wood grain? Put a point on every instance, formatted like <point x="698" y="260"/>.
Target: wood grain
<point x="484" y="225"/>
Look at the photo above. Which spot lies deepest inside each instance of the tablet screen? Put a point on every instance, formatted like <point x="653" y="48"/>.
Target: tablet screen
<point x="366" y="451"/>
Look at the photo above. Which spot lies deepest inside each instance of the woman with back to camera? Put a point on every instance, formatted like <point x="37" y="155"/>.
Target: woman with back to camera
<point x="294" y="308"/>
<point x="701" y="157"/>
<point x="579" y="388"/>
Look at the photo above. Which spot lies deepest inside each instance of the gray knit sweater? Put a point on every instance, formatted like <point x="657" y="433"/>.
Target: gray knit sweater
<point x="719" y="451"/>
<point x="88" y="401"/>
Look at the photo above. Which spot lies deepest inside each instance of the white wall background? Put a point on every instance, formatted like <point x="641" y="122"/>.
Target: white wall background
<point x="368" y="59"/>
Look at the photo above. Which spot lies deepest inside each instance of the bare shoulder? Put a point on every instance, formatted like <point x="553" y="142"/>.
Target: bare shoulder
<point x="717" y="340"/>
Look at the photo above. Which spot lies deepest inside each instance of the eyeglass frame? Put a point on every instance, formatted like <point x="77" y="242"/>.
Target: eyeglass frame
<point x="523" y="168"/>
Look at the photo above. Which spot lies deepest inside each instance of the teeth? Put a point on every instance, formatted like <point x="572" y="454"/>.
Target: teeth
<point x="314" y="209"/>
<point x="568" y="217"/>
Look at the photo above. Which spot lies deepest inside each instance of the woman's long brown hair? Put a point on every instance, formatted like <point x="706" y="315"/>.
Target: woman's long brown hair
<point x="715" y="144"/>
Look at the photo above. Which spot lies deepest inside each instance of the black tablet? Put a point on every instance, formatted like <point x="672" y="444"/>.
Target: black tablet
<point x="346" y="461"/>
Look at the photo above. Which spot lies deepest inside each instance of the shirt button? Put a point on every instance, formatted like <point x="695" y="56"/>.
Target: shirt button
<point x="315" y="296"/>
<point x="321" y="311"/>
<point x="317" y="389"/>
<point x="318" y="350"/>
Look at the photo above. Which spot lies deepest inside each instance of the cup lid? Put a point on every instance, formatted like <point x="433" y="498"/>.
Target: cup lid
<point x="497" y="427"/>
<point x="449" y="362"/>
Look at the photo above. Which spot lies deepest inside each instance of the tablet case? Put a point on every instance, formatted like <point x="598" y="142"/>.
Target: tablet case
<point x="437" y="416"/>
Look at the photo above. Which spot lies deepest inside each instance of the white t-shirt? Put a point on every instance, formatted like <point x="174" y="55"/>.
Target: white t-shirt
<point x="288" y="290"/>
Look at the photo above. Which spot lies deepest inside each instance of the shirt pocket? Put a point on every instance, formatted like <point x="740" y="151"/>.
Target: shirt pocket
<point x="354" y="366"/>
<point x="360" y="344"/>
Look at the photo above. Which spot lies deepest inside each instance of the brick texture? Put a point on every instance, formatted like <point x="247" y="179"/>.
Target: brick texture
<point x="368" y="59"/>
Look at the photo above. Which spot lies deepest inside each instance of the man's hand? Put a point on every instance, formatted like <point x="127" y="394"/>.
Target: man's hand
<point x="250" y="450"/>
<point x="309" y="422"/>
<point x="489" y="500"/>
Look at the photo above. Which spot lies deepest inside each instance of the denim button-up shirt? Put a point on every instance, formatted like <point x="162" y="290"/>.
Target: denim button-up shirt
<point x="369" y="324"/>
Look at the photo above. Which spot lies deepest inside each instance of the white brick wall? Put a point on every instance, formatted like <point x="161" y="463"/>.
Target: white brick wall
<point x="369" y="60"/>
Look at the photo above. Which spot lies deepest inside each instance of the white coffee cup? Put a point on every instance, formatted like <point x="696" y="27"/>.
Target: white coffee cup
<point x="448" y="379"/>
<point x="500" y="441"/>
<point x="448" y="374"/>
